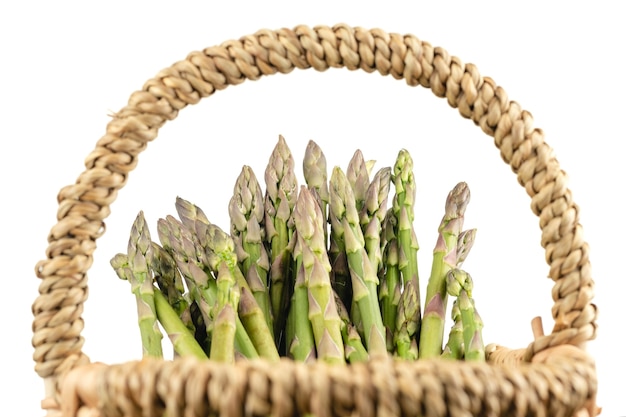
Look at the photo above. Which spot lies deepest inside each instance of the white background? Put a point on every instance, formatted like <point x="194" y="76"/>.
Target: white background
<point x="66" y="66"/>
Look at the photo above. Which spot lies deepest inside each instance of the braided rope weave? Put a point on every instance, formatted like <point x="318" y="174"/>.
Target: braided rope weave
<point x="496" y="390"/>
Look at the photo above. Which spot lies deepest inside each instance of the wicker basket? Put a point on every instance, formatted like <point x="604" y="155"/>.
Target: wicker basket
<point x="553" y="376"/>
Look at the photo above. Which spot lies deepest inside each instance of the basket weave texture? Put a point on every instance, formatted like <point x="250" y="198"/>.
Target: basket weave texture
<point x="553" y="376"/>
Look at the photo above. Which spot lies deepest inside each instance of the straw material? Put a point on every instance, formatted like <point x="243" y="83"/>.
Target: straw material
<point x="552" y="376"/>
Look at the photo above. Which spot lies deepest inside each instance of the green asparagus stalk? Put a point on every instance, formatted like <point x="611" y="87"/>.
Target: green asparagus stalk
<point x="138" y="273"/>
<point x="315" y="172"/>
<point x="472" y="329"/>
<point x="444" y="259"/>
<point x="390" y="288"/>
<point x="225" y="326"/>
<point x="407" y="323"/>
<point x="457" y="280"/>
<point x="353" y="344"/>
<point x="189" y="214"/>
<point x="219" y="248"/>
<point x="183" y="340"/>
<point x="280" y="198"/>
<point x="340" y="274"/>
<point x="403" y="208"/>
<point x="372" y="215"/>
<point x="325" y="321"/>
<point x="121" y="266"/>
<point x="224" y="329"/>
<point x="171" y="284"/>
<point x="247" y="217"/>
<point x="358" y="176"/>
<point x="354" y="349"/>
<point x="454" y="348"/>
<point x="464" y="245"/>
<point x="344" y="217"/>
<point x="461" y="285"/>
<point x="300" y="340"/>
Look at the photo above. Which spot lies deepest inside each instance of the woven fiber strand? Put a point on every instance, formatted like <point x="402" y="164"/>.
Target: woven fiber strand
<point x="557" y="387"/>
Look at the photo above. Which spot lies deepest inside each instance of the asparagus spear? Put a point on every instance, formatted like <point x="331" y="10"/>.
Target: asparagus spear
<point x="340" y="274"/>
<point x="345" y="219"/>
<point x="472" y="329"/>
<point x="170" y="282"/>
<point x="461" y="285"/>
<point x="280" y="197"/>
<point x="353" y="344"/>
<point x="390" y="288"/>
<point x="323" y="315"/>
<point x="444" y="259"/>
<point x="134" y="268"/>
<point x="454" y="348"/>
<point x="300" y="340"/>
<point x="407" y="322"/>
<point x="373" y="213"/>
<point x="354" y="349"/>
<point x="464" y="245"/>
<point x="358" y="177"/>
<point x="183" y="340"/>
<point x="371" y="202"/>
<point x="457" y="280"/>
<point x="247" y="212"/>
<point x="189" y="214"/>
<point x="225" y="326"/>
<point x="316" y="177"/>
<point x="403" y="208"/>
<point x="372" y="216"/>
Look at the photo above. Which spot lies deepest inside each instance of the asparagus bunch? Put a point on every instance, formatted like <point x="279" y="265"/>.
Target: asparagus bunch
<point x="324" y="270"/>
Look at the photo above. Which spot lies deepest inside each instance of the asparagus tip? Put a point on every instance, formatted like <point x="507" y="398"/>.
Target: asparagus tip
<point x="457" y="201"/>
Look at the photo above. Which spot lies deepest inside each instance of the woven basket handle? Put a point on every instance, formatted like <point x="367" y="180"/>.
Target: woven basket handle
<point x="84" y="205"/>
